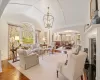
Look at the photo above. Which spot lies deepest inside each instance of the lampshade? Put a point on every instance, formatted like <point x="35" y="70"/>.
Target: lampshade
<point x="16" y="38"/>
<point x="44" y="39"/>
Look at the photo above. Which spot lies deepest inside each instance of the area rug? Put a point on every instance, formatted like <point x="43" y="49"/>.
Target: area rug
<point x="45" y="70"/>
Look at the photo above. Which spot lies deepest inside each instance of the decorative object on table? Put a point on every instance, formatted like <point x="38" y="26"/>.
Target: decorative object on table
<point x="14" y="49"/>
<point x="14" y="53"/>
<point x="69" y="46"/>
<point x="44" y="46"/>
<point x="94" y="12"/>
<point x="48" y="21"/>
<point x="86" y="50"/>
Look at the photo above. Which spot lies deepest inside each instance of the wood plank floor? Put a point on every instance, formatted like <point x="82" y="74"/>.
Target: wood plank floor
<point x="11" y="73"/>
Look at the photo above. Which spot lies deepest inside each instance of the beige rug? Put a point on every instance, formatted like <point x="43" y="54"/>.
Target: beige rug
<point x="46" y="70"/>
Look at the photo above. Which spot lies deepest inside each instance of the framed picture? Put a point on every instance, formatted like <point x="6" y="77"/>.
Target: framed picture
<point x="92" y="8"/>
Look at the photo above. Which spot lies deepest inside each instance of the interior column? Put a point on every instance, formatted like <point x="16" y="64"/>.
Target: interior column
<point x="98" y="55"/>
<point x="82" y="39"/>
<point x="38" y="36"/>
<point x="61" y="38"/>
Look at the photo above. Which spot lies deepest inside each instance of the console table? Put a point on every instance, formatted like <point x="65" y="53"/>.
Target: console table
<point x="14" y="54"/>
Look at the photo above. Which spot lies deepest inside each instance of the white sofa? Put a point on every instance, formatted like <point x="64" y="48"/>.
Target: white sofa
<point x="37" y="49"/>
<point x="27" y="60"/>
<point x="74" y="68"/>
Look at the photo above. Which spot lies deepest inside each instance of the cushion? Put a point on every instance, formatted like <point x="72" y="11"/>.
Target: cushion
<point x="22" y="52"/>
<point x="77" y="50"/>
<point x="33" y="46"/>
<point x="29" y="51"/>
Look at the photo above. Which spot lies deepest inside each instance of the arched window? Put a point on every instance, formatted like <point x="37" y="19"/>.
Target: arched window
<point x="27" y="33"/>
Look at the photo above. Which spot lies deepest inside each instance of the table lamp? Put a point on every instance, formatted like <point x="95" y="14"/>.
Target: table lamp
<point x="17" y="38"/>
<point x="44" y="40"/>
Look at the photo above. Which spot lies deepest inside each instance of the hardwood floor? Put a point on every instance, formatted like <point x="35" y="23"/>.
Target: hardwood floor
<point x="11" y="73"/>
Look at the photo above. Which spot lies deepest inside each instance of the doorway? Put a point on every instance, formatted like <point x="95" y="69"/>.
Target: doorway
<point x="92" y="67"/>
<point x="93" y="51"/>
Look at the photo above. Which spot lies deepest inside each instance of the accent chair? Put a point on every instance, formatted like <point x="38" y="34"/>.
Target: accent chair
<point x="74" y="68"/>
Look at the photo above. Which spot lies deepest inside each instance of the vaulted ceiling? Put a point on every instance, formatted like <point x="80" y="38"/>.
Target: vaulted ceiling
<point x="66" y="12"/>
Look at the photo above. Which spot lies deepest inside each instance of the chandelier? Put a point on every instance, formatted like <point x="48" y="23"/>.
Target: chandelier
<point x="48" y="20"/>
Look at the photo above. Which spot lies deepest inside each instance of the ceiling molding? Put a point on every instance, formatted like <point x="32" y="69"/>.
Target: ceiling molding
<point x="16" y="25"/>
<point x="25" y="4"/>
<point x="21" y="4"/>
<point x="38" y="9"/>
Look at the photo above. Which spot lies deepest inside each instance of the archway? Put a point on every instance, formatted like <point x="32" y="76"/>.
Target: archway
<point x="67" y="36"/>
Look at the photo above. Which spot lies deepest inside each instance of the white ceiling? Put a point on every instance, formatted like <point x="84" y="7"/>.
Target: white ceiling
<point x="65" y="12"/>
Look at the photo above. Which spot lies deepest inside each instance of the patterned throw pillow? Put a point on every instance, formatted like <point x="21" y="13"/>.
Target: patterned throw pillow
<point x="66" y="62"/>
<point x="77" y="50"/>
<point x="28" y="51"/>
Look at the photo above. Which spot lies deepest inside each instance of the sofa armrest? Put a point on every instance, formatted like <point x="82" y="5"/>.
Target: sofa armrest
<point x="31" y="58"/>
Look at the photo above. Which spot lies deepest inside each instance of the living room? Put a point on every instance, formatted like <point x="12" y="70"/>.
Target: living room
<point x="48" y="39"/>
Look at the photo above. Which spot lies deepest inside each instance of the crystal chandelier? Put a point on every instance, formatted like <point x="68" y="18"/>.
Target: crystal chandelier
<point x="48" y="20"/>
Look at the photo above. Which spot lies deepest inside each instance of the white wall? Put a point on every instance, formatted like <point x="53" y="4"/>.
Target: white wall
<point x="18" y="19"/>
<point x="98" y="54"/>
<point x="3" y="39"/>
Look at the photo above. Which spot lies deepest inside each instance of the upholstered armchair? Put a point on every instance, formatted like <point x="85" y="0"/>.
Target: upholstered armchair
<point x="27" y="60"/>
<point x="74" y="68"/>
